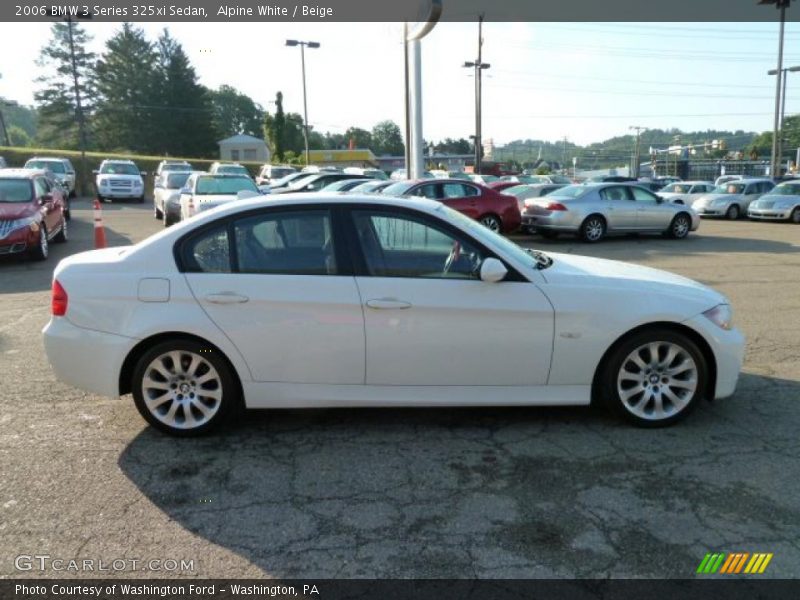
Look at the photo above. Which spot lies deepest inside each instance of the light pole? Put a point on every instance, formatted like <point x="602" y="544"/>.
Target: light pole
<point x="479" y="66"/>
<point x="305" y="104"/>
<point x="781" y="5"/>
<point x="3" y="121"/>
<point x="784" y="71"/>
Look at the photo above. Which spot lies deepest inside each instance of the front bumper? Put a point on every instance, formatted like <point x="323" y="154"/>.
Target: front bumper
<point x="19" y="240"/>
<point x="772" y="214"/>
<point x="84" y="358"/>
<point x="711" y="211"/>
<point x="728" y="348"/>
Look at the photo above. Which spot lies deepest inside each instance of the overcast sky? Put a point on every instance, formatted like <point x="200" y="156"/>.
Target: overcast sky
<point x="586" y="81"/>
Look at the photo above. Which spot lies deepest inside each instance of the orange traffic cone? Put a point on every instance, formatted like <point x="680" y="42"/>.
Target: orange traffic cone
<point x="99" y="230"/>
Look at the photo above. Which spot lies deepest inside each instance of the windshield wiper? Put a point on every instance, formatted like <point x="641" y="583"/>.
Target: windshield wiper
<point x="542" y="260"/>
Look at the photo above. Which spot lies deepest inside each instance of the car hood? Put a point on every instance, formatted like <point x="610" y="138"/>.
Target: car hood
<point x="16" y="210"/>
<point x="709" y="198"/>
<point x="569" y="269"/>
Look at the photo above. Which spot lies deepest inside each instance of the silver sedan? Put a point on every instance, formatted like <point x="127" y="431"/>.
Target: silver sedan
<point x="731" y="200"/>
<point x="594" y="210"/>
<point x="781" y="204"/>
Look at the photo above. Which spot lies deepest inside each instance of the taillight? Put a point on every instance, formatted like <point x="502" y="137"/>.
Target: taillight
<point x="555" y="206"/>
<point x="58" y="303"/>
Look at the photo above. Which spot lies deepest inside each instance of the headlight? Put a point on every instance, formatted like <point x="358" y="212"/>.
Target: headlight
<point x="137" y="183"/>
<point x="103" y="182"/>
<point x="19" y="224"/>
<point x="721" y="315"/>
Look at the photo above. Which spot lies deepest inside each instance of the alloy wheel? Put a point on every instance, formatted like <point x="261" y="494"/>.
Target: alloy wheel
<point x="491" y="222"/>
<point x="593" y="229"/>
<point x="657" y="380"/>
<point x="680" y="227"/>
<point x="44" y="246"/>
<point x="182" y="389"/>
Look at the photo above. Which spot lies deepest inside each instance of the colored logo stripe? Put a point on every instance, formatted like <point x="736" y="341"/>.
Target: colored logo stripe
<point x="734" y="563"/>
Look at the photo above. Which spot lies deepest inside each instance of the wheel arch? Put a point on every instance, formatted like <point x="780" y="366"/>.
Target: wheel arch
<point x="129" y="364"/>
<point x="692" y="334"/>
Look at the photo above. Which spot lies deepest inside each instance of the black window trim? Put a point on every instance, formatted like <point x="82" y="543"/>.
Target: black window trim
<point x="359" y="262"/>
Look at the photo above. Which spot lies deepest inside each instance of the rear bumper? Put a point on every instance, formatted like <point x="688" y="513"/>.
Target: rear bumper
<point x="555" y="221"/>
<point x="86" y="359"/>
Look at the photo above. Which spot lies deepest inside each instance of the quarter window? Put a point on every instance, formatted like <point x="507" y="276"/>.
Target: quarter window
<point x="404" y="246"/>
<point x="208" y="252"/>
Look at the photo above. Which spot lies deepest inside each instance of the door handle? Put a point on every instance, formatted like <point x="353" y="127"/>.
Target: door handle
<point x="226" y="298"/>
<point x="388" y="304"/>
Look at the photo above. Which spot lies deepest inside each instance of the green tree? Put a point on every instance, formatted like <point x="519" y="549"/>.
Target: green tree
<point x="18" y="136"/>
<point x="236" y="113"/>
<point x="275" y="129"/>
<point x="128" y="87"/>
<point x="358" y="138"/>
<point x="387" y="139"/>
<point x="180" y="94"/>
<point x="55" y="94"/>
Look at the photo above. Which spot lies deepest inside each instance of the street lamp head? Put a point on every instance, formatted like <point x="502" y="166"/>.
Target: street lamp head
<point x="469" y="64"/>
<point x="313" y="44"/>
<point x="793" y="69"/>
<point x="772" y="72"/>
<point x="292" y="42"/>
<point x="485" y="65"/>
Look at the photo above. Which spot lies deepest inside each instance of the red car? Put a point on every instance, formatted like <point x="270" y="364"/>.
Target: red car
<point x="31" y="213"/>
<point x="496" y="211"/>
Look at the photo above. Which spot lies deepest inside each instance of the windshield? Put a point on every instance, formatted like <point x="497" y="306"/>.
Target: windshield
<point x="119" y="169"/>
<point x="54" y="166"/>
<point x="489" y="237"/>
<point x="571" y="191"/>
<point x="277" y="172"/>
<point x="560" y="179"/>
<point x="518" y="190"/>
<point x="232" y="170"/>
<point x="729" y="188"/>
<point x="210" y="185"/>
<point x="676" y="188"/>
<point x="15" y="190"/>
<point x="177" y="180"/>
<point x="785" y="189"/>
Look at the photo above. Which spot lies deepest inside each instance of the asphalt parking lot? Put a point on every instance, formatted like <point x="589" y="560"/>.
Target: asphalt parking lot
<point x="501" y="493"/>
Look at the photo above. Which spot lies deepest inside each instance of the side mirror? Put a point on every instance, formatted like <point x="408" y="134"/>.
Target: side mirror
<point x="492" y="270"/>
<point x="46" y="199"/>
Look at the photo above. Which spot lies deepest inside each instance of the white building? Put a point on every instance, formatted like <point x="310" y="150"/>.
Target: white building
<point x="245" y="148"/>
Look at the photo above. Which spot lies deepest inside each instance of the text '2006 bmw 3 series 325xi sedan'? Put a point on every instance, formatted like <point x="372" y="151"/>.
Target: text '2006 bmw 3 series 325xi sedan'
<point x="329" y="301"/>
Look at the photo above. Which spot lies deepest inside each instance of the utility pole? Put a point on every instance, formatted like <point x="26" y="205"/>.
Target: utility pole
<point x="781" y="5"/>
<point x="564" y="158"/>
<point x="3" y="121"/>
<point x="479" y="66"/>
<point x="637" y="151"/>
<point x="78" y="107"/>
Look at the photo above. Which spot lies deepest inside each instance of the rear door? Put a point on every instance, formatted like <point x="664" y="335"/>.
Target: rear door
<point x="276" y="283"/>
<point x="461" y="197"/>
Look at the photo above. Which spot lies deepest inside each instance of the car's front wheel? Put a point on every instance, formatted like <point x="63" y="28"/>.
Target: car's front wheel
<point x="680" y="226"/>
<point x="42" y="249"/>
<point x="655" y="378"/>
<point x="184" y="388"/>
<point x="63" y="234"/>
<point x="732" y="213"/>
<point x="795" y="216"/>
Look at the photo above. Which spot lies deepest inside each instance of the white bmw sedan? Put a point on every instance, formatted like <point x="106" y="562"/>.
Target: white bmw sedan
<point x="317" y="300"/>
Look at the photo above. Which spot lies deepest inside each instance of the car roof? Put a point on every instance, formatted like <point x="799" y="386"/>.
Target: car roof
<point x="119" y="161"/>
<point x="53" y="158"/>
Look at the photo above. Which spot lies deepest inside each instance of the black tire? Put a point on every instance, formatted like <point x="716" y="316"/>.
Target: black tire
<point x="609" y="380"/>
<point x="492" y="222"/>
<point x="225" y="386"/>
<point x="733" y="212"/>
<point x="795" y="216"/>
<point x="168" y="221"/>
<point x="63" y="235"/>
<point x="157" y="212"/>
<point x="140" y="199"/>
<point x="593" y="229"/>
<point x="680" y="227"/>
<point x="72" y="194"/>
<point x="42" y="249"/>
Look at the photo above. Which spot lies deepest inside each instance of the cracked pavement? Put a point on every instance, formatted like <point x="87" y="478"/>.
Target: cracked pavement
<point x="362" y="493"/>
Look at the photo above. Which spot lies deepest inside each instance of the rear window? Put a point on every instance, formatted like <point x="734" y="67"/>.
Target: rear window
<point x="571" y="191"/>
<point x="15" y="190"/>
<point x="177" y="180"/>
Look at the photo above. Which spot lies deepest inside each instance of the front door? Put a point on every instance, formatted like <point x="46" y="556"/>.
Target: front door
<point x="430" y="320"/>
<point x="650" y="213"/>
<point x="271" y="282"/>
<point x="620" y="207"/>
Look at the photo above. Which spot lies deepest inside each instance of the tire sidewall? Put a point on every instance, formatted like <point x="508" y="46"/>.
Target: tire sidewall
<point x="608" y="381"/>
<point x="733" y="212"/>
<point x="672" y="226"/>
<point x="795" y="216"/>
<point x="230" y="398"/>
<point x="585" y="226"/>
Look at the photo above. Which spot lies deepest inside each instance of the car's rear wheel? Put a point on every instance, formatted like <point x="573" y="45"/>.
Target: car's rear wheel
<point x="63" y="235"/>
<point x="491" y="222"/>
<point x="184" y="388"/>
<point x="680" y="226"/>
<point x="593" y="229"/>
<point x="732" y="213"/>
<point x="42" y="249"/>
<point x="655" y="378"/>
<point x="795" y="216"/>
